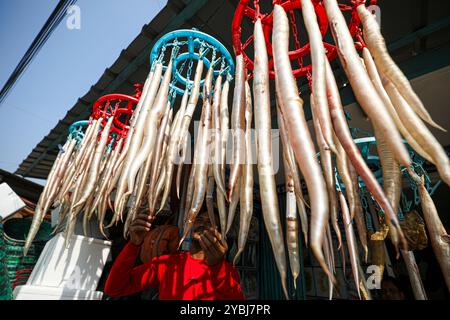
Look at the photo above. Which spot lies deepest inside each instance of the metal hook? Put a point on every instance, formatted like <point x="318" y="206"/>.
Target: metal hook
<point x="161" y="56"/>
<point x="225" y="70"/>
<point x="175" y="49"/>
<point x="229" y="77"/>
<point x="172" y="97"/>
<point x="152" y="68"/>
<point x="222" y="66"/>
<point x="213" y="59"/>
<point x="202" y="52"/>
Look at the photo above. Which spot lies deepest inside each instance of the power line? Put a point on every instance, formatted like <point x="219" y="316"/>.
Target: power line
<point x="43" y="35"/>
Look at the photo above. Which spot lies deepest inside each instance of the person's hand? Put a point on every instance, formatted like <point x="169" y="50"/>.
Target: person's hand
<point x="139" y="228"/>
<point x="213" y="246"/>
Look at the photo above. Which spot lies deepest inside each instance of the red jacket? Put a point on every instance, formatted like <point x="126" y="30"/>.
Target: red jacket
<point x="178" y="277"/>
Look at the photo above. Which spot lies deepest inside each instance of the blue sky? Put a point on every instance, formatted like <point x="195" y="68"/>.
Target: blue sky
<point x="69" y="63"/>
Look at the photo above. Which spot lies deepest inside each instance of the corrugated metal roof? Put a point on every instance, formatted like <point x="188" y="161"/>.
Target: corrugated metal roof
<point x="24" y="188"/>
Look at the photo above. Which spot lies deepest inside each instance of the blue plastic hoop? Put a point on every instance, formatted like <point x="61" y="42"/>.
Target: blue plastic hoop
<point x="77" y="125"/>
<point x="195" y="40"/>
<point x="405" y="204"/>
<point x="75" y="129"/>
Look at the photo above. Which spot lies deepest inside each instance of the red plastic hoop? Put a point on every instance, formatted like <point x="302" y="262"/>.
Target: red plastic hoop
<point x="243" y="9"/>
<point x="116" y="105"/>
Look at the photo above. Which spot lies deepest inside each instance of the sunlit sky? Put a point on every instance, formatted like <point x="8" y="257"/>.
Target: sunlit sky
<point x="69" y="63"/>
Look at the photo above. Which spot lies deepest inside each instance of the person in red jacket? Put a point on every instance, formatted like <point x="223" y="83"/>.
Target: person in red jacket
<point x="200" y="274"/>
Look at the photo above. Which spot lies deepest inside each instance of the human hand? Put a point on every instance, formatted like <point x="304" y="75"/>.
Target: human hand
<point x="213" y="245"/>
<point x="139" y="228"/>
